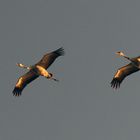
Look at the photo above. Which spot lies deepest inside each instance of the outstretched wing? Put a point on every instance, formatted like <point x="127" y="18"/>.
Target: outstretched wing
<point x="49" y="58"/>
<point x="122" y="73"/>
<point x="23" y="81"/>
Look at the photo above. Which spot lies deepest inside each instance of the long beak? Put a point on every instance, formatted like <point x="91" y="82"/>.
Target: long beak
<point x="120" y="54"/>
<point x="117" y="53"/>
<point x="18" y="64"/>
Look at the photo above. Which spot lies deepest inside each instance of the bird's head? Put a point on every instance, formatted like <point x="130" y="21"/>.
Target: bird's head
<point x="20" y="65"/>
<point x="23" y="66"/>
<point x="120" y="53"/>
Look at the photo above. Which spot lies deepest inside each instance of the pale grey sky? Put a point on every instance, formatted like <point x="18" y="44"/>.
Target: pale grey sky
<point x="82" y="106"/>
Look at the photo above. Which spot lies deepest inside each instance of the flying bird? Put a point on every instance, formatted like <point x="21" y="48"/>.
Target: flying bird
<point x="39" y="69"/>
<point x="124" y="71"/>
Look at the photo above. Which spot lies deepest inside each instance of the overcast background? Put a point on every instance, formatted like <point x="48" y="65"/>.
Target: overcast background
<point x="82" y="106"/>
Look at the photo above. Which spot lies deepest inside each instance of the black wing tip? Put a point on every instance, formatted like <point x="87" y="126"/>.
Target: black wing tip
<point x="115" y="83"/>
<point x="17" y="92"/>
<point x="60" y="51"/>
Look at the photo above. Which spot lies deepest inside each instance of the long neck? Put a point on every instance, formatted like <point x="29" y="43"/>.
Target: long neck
<point x="127" y="57"/>
<point x="132" y="61"/>
<point x="23" y="66"/>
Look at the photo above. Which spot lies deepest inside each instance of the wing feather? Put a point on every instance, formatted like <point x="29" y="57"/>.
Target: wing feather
<point x="49" y="58"/>
<point x="23" y="81"/>
<point x="122" y="73"/>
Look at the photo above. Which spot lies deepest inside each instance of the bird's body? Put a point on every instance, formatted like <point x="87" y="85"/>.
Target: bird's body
<point x="39" y="69"/>
<point x="42" y="71"/>
<point x="124" y="71"/>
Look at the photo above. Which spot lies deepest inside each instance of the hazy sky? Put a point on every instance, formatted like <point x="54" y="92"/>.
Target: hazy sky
<point x="82" y="106"/>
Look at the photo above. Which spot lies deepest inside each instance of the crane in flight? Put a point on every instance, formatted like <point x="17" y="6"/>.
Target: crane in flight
<point x="39" y="69"/>
<point x="124" y="71"/>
